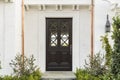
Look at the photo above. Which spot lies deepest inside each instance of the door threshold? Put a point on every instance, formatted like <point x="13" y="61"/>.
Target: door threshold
<point x="58" y="75"/>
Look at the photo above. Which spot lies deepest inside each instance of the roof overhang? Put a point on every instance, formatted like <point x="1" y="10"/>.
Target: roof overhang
<point x="54" y="2"/>
<point x="57" y="4"/>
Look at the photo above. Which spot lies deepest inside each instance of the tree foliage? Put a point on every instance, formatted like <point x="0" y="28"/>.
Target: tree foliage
<point x="108" y="50"/>
<point x="115" y="67"/>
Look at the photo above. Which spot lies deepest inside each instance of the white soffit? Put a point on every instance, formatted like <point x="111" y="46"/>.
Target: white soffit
<point x="52" y="2"/>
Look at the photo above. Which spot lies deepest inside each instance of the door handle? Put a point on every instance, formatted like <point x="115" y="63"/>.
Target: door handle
<point x="70" y="49"/>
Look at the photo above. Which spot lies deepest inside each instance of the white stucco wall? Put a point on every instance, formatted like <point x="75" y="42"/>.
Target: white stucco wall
<point x="35" y="27"/>
<point x="7" y="37"/>
<point x="18" y="29"/>
<point x="85" y="36"/>
<point x="10" y="32"/>
<point x="102" y="8"/>
<point x="1" y="30"/>
<point x="9" y="22"/>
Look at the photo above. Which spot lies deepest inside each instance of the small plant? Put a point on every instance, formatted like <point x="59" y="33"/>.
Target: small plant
<point x="25" y="70"/>
<point x="94" y="69"/>
<point x="7" y="78"/>
<point x="82" y="74"/>
<point x="107" y="76"/>
<point x="95" y="66"/>
<point x="19" y="67"/>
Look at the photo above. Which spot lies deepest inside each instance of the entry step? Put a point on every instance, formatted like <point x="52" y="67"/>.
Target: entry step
<point x="58" y="75"/>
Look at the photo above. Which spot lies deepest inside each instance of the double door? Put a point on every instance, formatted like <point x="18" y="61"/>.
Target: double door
<point x="58" y="44"/>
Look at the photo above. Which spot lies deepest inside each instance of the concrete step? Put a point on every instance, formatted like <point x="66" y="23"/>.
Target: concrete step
<point x="58" y="75"/>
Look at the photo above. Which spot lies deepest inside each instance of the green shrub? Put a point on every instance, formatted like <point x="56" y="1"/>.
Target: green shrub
<point x="108" y="50"/>
<point x="18" y="66"/>
<point x="115" y="66"/>
<point x="82" y="74"/>
<point x="113" y="54"/>
<point x="23" y="71"/>
<point x="23" y="68"/>
<point x="30" y="77"/>
<point x="7" y="78"/>
<point x="107" y="76"/>
<point x="36" y="74"/>
<point x="95" y="66"/>
<point x="94" y="69"/>
<point x="26" y="70"/>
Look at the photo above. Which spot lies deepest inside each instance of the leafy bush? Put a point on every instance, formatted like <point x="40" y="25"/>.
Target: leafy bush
<point x="96" y="65"/>
<point x="94" y="69"/>
<point x="7" y="78"/>
<point x="26" y="70"/>
<point x="113" y="54"/>
<point x="115" y="66"/>
<point x="109" y="76"/>
<point x="108" y="50"/>
<point x="82" y="74"/>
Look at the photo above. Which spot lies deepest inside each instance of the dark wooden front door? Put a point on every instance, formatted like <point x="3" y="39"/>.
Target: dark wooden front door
<point x="58" y="44"/>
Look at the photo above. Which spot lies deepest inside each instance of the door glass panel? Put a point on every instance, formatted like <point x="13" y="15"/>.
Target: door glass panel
<point x="53" y="39"/>
<point x="64" y="39"/>
<point x="53" y="34"/>
<point x="64" y="34"/>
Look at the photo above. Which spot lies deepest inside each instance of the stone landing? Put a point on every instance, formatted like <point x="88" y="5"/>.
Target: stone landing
<point x="58" y="75"/>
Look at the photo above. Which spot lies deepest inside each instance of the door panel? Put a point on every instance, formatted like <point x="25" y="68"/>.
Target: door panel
<point x="58" y="44"/>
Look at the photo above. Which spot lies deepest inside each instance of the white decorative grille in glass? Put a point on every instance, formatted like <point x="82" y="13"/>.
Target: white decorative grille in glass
<point x="53" y="34"/>
<point x="64" y="41"/>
